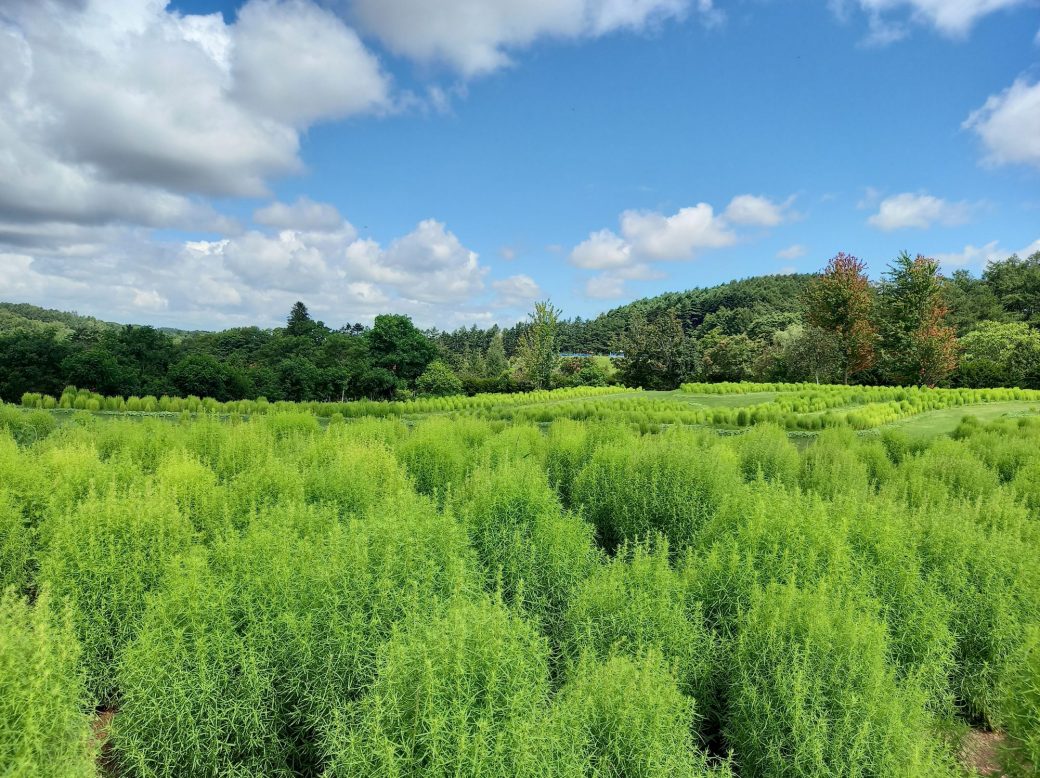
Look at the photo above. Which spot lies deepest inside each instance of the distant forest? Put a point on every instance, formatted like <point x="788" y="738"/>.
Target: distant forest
<point x="975" y="330"/>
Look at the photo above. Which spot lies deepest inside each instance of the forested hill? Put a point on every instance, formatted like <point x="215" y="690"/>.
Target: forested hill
<point x="15" y="317"/>
<point x="982" y="330"/>
<point x="733" y="307"/>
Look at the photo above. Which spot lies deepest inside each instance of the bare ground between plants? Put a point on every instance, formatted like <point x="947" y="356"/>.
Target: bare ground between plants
<point x="101" y="728"/>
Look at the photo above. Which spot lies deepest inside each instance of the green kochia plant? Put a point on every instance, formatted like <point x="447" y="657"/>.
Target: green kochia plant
<point x="626" y="716"/>
<point x="44" y="729"/>
<point x="17" y="546"/>
<point x="636" y="604"/>
<point x="100" y="561"/>
<point x="463" y="695"/>
<point x="811" y="694"/>
<point x="671" y="483"/>
<point x="1020" y="693"/>
<point x="249" y="649"/>
<point x="531" y="551"/>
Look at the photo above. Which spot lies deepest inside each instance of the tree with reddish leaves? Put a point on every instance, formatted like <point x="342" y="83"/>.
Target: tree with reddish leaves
<point x="919" y="345"/>
<point x="840" y="301"/>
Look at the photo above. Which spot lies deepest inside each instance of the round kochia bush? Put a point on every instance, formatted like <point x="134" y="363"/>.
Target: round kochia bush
<point x="627" y="717"/>
<point x="530" y="551"/>
<point x="101" y="560"/>
<point x="44" y="729"/>
<point x="250" y="648"/>
<point x="670" y="483"/>
<point x="811" y="694"/>
<point x="463" y="695"/>
<point x="636" y="604"/>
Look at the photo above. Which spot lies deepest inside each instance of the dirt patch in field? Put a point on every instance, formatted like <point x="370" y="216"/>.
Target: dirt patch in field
<point x="980" y="751"/>
<point x="102" y="729"/>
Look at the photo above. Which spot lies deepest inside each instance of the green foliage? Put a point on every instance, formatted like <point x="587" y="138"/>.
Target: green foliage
<point x="464" y="695"/>
<point x="17" y="546"/>
<point x="669" y="483"/>
<point x="637" y="604"/>
<point x="811" y="693"/>
<point x="531" y="551"/>
<point x="438" y="380"/>
<point x="766" y="452"/>
<point x="1020" y="698"/>
<point x="538" y="350"/>
<point x="445" y="585"/>
<point x="626" y="716"/>
<point x="100" y="561"/>
<point x="44" y="729"/>
<point x="269" y="635"/>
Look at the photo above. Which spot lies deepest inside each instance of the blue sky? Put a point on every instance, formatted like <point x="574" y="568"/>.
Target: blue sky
<point x="457" y="160"/>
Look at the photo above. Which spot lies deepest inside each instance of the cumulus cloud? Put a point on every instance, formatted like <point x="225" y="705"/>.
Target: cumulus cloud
<point x="1009" y="125"/>
<point x="646" y="237"/>
<point x="516" y="291"/>
<point x="129" y="116"/>
<point x="889" y="19"/>
<point x="610" y="284"/>
<point x="755" y="211"/>
<point x="477" y="36"/>
<point x="920" y="211"/>
<point x="792" y="252"/>
<point x="329" y="74"/>
<point x="654" y="236"/>
<point x="980" y="256"/>
<point x="602" y="249"/>
<point x="254" y="276"/>
<point x="303" y="214"/>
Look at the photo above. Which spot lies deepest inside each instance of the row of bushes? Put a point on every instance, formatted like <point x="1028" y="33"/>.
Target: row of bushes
<point x="83" y="399"/>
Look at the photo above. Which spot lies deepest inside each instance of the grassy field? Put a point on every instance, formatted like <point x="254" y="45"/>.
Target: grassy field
<point x="572" y="584"/>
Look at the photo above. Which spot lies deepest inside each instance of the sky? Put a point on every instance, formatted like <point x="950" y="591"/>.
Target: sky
<point x="203" y="164"/>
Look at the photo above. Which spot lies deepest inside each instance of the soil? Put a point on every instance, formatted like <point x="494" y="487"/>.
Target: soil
<point x="102" y="727"/>
<point x="980" y="752"/>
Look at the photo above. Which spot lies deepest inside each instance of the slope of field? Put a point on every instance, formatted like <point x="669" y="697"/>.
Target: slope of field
<point x="299" y="595"/>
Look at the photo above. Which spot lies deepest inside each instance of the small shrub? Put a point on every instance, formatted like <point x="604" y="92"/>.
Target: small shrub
<point x="44" y="729"/>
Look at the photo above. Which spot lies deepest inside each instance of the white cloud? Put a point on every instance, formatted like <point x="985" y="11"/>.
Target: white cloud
<point x="477" y="36"/>
<point x="646" y="237"/>
<point x="756" y="211"/>
<point x="792" y="252"/>
<point x="126" y="113"/>
<point x="303" y="214"/>
<point x="253" y="277"/>
<point x="516" y="290"/>
<point x="918" y="210"/>
<point x="299" y="63"/>
<point x="980" y="256"/>
<point x="602" y="249"/>
<point x="953" y="18"/>
<point x="610" y="284"/>
<point x="1009" y="124"/>
<point x="657" y="237"/>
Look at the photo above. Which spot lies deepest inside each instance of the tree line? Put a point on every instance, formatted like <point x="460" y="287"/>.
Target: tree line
<point x="914" y="326"/>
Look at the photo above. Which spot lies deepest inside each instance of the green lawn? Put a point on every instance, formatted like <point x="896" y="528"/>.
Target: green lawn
<point x="943" y="422"/>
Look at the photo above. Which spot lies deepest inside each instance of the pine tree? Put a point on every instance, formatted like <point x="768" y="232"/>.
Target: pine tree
<point x="299" y="322"/>
<point x="919" y="344"/>
<point x="538" y="351"/>
<point x="495" y="362"/>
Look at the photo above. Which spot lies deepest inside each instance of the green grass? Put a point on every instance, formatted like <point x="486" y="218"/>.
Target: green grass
<point x="945" y="421"/>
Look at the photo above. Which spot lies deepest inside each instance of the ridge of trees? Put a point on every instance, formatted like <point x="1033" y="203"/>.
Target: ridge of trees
<point x="912" y="327"/>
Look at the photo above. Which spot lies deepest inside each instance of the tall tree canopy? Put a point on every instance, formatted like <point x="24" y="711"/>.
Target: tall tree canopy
<point x="841" y="301"/>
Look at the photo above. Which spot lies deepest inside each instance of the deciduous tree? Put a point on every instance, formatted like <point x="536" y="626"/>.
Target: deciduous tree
<point x="841" y="301"/>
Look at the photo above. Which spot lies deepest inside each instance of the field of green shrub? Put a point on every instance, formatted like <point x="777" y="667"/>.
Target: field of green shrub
<point x="477" y="594"/>
<point x="795" y="407"/>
